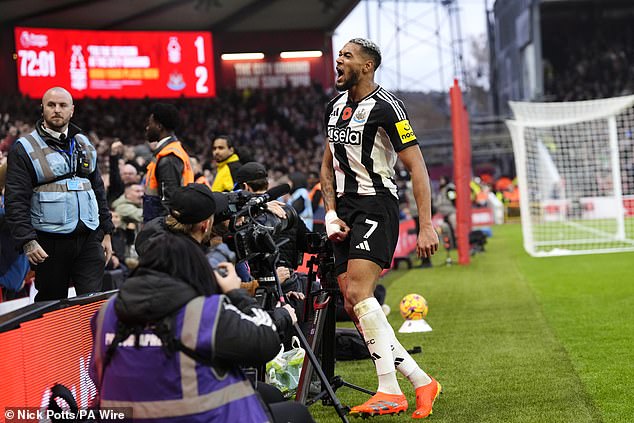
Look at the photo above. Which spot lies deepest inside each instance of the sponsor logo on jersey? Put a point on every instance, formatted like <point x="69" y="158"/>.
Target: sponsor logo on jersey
<point x="347" y="113"/>
<point x="405" y="131"/>
<point x="360" y="116"/>
<point x="344" y="136"/>
<point x="334" y="113"/>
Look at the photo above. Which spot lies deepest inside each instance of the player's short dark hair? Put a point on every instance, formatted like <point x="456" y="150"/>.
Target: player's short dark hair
<point x="166" y="114"/>
<point x="369" y="48"/>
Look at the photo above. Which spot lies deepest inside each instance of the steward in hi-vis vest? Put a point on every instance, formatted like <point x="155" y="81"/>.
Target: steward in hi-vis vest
<point x="63" y="195"/>
<point x="170" y="166"/>
<point x="156" y="189"/>
<point x="56" y="203"/>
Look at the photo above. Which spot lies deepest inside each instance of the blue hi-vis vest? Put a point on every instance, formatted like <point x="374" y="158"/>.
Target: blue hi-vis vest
<point x="57" y="206"/>
<point x="171" y="388"/>
<point x="307" y="214"/>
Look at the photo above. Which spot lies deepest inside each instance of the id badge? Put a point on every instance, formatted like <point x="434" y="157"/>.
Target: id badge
<point x="74" y="185"/>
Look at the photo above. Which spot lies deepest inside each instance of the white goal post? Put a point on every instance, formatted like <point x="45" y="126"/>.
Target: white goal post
<point x="575" y="168"/>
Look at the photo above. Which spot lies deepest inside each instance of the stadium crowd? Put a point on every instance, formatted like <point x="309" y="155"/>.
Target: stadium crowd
<point x="585" y="62"/>
<point x="282" y="128"/>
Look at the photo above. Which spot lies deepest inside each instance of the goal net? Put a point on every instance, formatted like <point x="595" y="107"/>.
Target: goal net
<point x="575" y="167"/>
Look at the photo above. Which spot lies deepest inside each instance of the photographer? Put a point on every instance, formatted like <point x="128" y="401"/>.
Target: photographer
<point x="171" y="339"/>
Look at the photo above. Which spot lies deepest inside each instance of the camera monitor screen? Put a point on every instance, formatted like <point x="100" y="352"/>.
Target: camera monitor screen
<point x="122" y="64"/>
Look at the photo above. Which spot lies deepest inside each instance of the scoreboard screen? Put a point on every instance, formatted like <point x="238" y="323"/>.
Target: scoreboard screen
<point x="122" y="64"/>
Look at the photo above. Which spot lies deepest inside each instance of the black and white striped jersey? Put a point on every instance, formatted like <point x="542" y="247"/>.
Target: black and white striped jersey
<point x="364" y="139"/>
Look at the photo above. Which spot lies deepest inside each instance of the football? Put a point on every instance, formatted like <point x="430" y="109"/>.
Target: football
<point x="414" y="307"/>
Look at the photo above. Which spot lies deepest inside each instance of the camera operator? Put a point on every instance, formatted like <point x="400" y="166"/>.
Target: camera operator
<point x="252" y="177"/>
<point x="171" y="338"/>
<point x="192" y="211"/>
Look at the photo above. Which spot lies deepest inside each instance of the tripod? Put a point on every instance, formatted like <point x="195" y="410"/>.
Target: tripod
<point x="268" y="264"/>
<point x="322" y="333"/>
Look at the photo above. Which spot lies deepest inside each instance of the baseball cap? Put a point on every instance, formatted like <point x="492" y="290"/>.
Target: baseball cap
<point x="250" y="172"/>
<point x="194" y="203"/>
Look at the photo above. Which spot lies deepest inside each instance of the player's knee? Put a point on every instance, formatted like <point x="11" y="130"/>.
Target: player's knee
<point x="355" y="295"/>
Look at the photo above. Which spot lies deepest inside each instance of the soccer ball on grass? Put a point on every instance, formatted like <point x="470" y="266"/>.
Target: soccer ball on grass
<point x="414" y="307"/>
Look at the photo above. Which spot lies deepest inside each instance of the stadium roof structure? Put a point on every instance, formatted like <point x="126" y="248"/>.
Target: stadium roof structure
<point x="212" y="15"/>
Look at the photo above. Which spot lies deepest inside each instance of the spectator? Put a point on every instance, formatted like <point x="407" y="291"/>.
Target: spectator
<point x="14" y="265"/>
<point x="228" y="163"/>
<point x="120" y="173"/>
<point x="129" y="206"/>
<point x="299" y="198"/>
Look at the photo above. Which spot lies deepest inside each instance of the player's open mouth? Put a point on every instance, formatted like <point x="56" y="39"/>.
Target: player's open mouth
<point x="339" y="73"/>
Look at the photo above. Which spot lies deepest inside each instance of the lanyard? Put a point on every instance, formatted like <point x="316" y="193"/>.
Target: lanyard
<point x="69" y="155"/>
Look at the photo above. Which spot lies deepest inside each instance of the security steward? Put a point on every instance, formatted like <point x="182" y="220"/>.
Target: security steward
<point x="170" y="166"/>
<point x="56" y="202"/>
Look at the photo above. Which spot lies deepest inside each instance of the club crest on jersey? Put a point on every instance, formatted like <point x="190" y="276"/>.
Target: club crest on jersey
<point x="347" y="113"/>
<point x="360" y="116"/>
<point x="344" y="136"/>
<point x="405" y="131"/>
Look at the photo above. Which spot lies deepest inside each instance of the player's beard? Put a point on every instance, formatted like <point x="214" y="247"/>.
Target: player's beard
<point x="349" y="82"/>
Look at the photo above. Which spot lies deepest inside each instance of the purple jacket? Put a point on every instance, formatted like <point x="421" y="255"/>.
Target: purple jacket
<point x="163" y="388"/>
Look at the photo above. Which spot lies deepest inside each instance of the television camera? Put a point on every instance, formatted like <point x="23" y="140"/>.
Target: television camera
<point x="252" y="234"/>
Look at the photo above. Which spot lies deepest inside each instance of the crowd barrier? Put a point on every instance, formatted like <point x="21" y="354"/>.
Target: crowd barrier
<point x="47" y="343"/>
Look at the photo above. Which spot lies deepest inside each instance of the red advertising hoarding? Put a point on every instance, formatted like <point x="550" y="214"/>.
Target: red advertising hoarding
<point x="53" y="348"/>
<point x="122" y="64"/>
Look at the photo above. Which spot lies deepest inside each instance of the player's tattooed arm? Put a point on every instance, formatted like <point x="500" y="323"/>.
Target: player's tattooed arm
<point x="327" y="178"/>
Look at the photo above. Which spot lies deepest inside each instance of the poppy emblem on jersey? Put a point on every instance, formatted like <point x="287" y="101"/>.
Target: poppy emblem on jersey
<point x="405" y="131"/>
<point x="347" y="113"/>
<point x="360" y="116"/>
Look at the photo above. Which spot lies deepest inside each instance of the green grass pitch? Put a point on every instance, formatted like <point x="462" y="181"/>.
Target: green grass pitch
<point x="517" y="339"/>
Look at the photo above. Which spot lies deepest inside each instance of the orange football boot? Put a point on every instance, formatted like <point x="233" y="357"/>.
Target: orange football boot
<point x="381" y="404"/>
<point x="425" y="397"/>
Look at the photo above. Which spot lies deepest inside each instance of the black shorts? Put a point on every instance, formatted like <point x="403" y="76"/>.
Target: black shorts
<point x="373" y="222"/>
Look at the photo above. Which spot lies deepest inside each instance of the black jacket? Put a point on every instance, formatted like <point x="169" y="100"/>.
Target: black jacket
<point x="157" y="226"/>
<point x="241" y="337"/>
<point x="21" y="179"/>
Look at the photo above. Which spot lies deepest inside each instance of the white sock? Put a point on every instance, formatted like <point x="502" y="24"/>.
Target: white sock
<point x="408" y="367"/>
<point x="378" y="336"/>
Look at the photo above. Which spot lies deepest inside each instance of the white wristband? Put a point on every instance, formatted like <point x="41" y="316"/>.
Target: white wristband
<point x="331" y="216"/>
<point x="331" y="227"/>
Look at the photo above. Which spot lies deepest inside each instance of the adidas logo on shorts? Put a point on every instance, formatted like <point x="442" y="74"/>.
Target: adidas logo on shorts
<point x="363" y="246"/>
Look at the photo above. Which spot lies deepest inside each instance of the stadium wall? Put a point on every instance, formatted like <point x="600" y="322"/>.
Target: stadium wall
<point x="517" y="51"/>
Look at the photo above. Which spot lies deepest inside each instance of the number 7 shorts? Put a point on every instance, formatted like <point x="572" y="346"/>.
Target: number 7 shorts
<point x="373" y="222"/>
